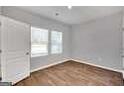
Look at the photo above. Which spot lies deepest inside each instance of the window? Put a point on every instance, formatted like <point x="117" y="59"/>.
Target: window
<point x="56" y="42"/>
<point x="39" y="42"/>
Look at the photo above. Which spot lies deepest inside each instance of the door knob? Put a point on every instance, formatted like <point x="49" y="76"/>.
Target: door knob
<point x="27" y="53"/>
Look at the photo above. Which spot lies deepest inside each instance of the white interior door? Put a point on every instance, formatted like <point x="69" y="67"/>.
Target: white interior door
<point x="15" y="45"/>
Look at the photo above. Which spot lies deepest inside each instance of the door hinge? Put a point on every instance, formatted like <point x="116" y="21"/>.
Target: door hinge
<point x="0" y="51"/>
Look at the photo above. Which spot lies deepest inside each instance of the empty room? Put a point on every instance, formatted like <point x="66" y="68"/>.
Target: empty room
<point x="61" y="45"/>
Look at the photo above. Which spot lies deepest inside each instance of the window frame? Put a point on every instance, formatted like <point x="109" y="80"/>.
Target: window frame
<point x="60" y="52"/>
<point x="40" y="54"/>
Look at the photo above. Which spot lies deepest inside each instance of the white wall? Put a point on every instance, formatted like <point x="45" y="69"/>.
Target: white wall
<point x="99" y="41"/>
<point x="38" y="21"/>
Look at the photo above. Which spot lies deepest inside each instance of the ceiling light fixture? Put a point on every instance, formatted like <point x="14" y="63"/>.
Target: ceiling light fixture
<point x="57" y="14"/>
<point x="69" y="7"/>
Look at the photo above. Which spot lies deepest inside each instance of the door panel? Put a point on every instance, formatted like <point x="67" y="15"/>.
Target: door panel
<point x="15" y="45"/>
<point x="15" y="63"/>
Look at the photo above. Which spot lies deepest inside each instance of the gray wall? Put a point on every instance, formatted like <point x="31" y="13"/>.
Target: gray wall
<point x="99" y="41"/>
<point x="0" y="9"/>
<point x="38" y="21"/>
<point x="0" y="45"/>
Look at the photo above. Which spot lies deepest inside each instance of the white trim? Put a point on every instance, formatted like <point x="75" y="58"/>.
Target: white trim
<point x="80" y="61"/>
<point x="123" y="74"/>
<point x="49" y="65"/>
<point x="104" y="67"/>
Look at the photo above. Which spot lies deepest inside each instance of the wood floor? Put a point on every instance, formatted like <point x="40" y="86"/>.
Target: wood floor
<point x="73" y="74"/>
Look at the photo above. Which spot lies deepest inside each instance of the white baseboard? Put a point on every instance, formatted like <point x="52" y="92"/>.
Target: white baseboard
<point x="80" y="61"/>
<point x="104" y="67"/>
<point x="49" y="65"/>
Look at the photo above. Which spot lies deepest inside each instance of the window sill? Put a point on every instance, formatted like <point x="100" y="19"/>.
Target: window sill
<point x="38" y="55"/>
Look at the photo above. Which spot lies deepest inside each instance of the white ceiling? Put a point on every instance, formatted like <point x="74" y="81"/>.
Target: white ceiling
<point x="76" y="15"/>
